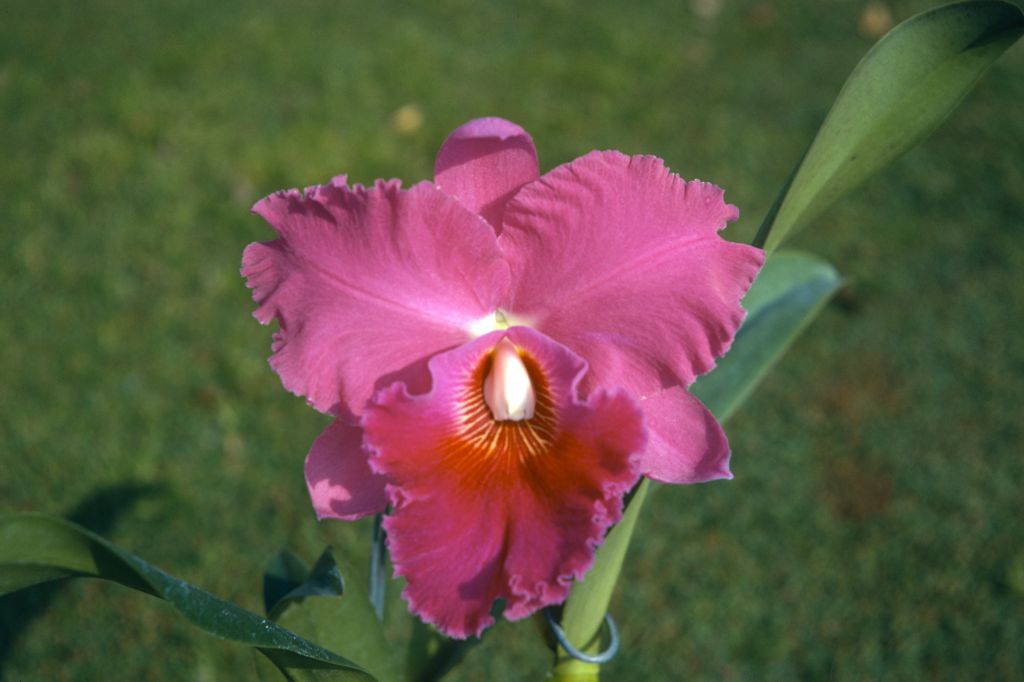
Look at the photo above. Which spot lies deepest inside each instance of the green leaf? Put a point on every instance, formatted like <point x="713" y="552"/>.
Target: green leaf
<point x="789" y="292"/>
<point x="324" y="580"/>
<point x="283" y="573"/>
<point x="785" y="297"/>
<point x="901" y="91"/>
<point x="334" y="611"/>
<point x="36" y="548"/>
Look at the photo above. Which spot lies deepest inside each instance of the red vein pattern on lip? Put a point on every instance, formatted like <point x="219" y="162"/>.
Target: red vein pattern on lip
<point x="483" y="509"/>
<point x="487" y="451"/>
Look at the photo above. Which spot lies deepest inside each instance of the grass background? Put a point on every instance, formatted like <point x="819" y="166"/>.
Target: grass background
<point x="874" y="526"/>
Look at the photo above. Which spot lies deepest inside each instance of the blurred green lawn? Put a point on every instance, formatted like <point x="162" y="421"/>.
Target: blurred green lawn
<point x="874" y="526"/>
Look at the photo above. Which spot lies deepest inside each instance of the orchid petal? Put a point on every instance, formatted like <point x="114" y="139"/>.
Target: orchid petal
<point x="686" y="443"/>
<point x="367" y="283"/>
<point x="483" y="163"/>
<point x="484" y="509"/>
<point x="620" y="259"/>
<point x="341" y="484"/>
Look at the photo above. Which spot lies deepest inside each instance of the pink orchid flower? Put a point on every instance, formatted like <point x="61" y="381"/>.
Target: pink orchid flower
<point x="505" y="354"/>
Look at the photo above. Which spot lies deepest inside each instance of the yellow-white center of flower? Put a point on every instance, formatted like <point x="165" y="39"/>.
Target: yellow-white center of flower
<point x="499" y="319"/>
<point x="507" y="388"/>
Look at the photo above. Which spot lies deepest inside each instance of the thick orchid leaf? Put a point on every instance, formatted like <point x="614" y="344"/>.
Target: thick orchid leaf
<point x="324" y="607"/>
<point x="324" y="580"/>
<point x="785" y="297"/>
<point x="282" y="574"/>
<point x="36" y="548"/>
<point x="789" y="292"/>
<point x="905" y="86"/>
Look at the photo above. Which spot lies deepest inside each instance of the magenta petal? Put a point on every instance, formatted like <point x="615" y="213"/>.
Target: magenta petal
<point x="338" y="475"/>
<point x="686" y="443"/>
<point x="367" y="283"/>
<point x="483" y="510"/>
<point x="483" y="163"/>
<point x="619" y="259"/>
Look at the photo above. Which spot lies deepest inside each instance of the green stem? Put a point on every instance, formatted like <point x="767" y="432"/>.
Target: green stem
<point x="588" y="601"/>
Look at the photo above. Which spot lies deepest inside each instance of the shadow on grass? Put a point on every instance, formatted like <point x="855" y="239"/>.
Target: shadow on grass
<point x="98" y="512"/>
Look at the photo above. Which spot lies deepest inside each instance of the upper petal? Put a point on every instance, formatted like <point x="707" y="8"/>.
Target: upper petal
<point x="483" y="163"/>
<point x="620" y="259"/>
<point x="686" y="444"/>
<point x="367" y="283"/>
<point x="482" y="509"/>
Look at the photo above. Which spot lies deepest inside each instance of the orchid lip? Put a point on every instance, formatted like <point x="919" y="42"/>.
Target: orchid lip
<point x="485" y="509"/>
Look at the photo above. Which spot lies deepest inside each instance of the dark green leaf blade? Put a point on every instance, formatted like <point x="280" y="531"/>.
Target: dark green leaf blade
<point x="323" y="581"/>
<point x="337" y="613"/>
<point x="906" y="85"/>
<point x="36" y="548"/>
<point x="282" y="573"/>
<point x="786" y="296"/>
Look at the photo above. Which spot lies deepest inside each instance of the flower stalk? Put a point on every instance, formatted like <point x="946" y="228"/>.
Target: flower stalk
<point x="585" y="609"/>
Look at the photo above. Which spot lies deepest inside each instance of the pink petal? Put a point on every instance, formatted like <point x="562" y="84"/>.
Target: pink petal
<point x="338" y="475"/>
<point x="367" y="284"/>
<point x="686" y="443"/>
<point x="483" y="510"/>
<point x="620" y="260"/>
<point x="483" y="163"/>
